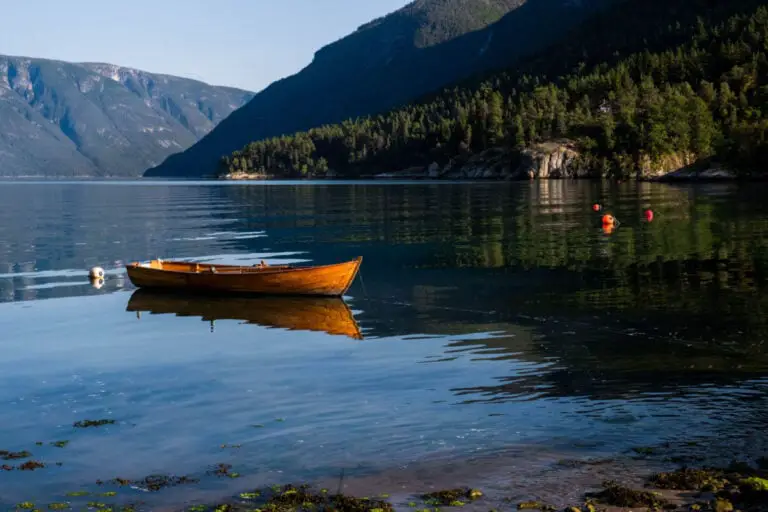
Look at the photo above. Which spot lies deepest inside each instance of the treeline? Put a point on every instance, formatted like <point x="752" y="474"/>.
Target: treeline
<point x="695" y="84"/>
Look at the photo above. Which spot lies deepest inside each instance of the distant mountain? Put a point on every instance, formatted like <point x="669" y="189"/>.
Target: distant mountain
<point x="388" y="62"/>
<point x="66" y="119"/>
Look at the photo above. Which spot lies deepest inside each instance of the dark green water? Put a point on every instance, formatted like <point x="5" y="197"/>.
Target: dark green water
<point x="500" y="323"/>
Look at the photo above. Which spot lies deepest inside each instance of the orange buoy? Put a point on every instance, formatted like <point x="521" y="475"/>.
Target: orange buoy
<point x="649" y="215"/>
<point x="608" y="220"/>
<point x="596" y="207"/>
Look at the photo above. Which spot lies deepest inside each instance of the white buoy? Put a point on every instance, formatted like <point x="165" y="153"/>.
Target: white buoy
<point x="97" y="282"/>
<point x="96" y="273"/>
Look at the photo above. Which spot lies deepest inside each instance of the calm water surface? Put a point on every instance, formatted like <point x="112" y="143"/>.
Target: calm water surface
<point x="502" y="330"/>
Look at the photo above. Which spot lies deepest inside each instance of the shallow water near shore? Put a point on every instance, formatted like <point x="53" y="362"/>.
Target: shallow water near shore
<point x="503" y="330"/>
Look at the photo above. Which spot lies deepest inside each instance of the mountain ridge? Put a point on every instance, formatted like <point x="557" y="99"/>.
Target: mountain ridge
<point x="60" y="118"/>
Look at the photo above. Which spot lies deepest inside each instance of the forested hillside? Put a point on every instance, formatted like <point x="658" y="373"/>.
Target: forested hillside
<point x="640" y="82"/>
<point x="386" y="63"/>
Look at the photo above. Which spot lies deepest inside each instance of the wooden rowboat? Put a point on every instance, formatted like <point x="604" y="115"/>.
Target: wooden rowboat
<point x="327" y="280"/>
<point x="323" y="314"/>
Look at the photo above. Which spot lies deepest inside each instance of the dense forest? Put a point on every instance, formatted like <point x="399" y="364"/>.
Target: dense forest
<point x="640" y="82"/>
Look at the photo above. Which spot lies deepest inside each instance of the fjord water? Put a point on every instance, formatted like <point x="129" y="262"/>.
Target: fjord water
<point x="500" y="324"/>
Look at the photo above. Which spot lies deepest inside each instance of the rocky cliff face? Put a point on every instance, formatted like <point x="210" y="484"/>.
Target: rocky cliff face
<point x="551" y="160"/>
<point x="557" y="160"/>
<point x="65" y="119"/>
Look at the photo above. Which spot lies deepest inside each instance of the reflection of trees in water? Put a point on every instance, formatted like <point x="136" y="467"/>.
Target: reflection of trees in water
<point x="579" y="352"/>
<point x="676" y="303"/>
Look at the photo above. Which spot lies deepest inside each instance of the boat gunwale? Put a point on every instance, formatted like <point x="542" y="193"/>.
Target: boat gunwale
<point x="138" y="266"/>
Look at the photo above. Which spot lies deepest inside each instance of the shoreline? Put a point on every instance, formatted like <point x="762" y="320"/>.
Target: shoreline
<point x="546" y="479"/>
<point x="594" y="485"/>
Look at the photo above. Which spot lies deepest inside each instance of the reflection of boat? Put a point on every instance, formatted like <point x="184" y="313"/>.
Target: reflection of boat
<point x="328" y="314"/>
<point x="326" y="280"/>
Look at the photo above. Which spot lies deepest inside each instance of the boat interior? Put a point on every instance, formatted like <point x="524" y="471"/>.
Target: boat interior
<point x="208" y="268"/>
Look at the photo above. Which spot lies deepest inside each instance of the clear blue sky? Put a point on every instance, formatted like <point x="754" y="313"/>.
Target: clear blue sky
<point x="242" y="43"/>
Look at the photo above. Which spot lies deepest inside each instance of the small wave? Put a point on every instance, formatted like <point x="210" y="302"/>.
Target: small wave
<point x="57" y="273"/>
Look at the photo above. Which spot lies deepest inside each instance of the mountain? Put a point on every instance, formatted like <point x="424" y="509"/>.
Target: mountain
<point x="89" y="119"/>
<point x="641" y="89"/>
<point x="389" y="62"/>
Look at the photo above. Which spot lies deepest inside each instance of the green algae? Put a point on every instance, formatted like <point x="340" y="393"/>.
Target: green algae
<point x="620" y="496"/>
<point x="644" y="450"/>
<point x="687" y="479"/>
<point x="60" y="444"/>
<point x="108" y="494"/>
<point x="755" y="484"/>
<point x="722" y="505"/>
<point x="250" y="495"/>
<point x="290" y="498"/>
<point x="26" y="505"/>
<point x="78" y="493"/>
<point x="59" y="506"/>
<point x="449" y="496"/>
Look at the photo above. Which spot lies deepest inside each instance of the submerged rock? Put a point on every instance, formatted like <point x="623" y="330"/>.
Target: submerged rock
<point x="6" y="455"/>
<point x="92" y="423"/>
<point x="451" y="497"/>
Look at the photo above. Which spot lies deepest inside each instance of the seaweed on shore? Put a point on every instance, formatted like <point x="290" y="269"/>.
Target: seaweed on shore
<point x="687" y="479"/>
<point x="290" y="498"/>
<point x="151" y="483"/>
<point x="451" y="497"/>
<point x="620" y="496"/>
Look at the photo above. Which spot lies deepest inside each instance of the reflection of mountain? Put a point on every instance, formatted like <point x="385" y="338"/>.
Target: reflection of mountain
<point x="330" y="315"/>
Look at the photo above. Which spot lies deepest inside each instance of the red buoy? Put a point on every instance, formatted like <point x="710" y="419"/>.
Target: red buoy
<point x="596" y="207"/>
<point x="649" y="215"/>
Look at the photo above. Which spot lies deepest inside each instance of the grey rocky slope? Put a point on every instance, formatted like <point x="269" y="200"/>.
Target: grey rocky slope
<point x="89" y="119"/>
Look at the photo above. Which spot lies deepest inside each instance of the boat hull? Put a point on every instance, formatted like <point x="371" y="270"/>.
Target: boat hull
<point x="327" y="280"/>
